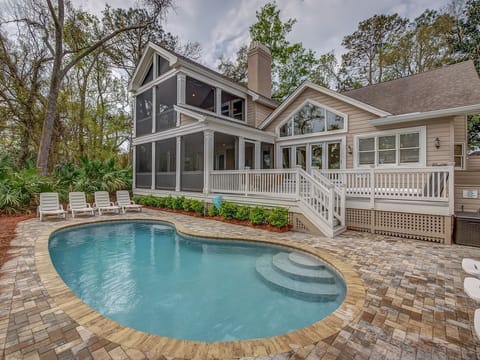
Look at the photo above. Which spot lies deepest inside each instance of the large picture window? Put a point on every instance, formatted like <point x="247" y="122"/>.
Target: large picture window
<point x="390" y="149"/>
<point x="312" y="119"/>
<point x="163" y="65"/>
<point x="199" y="94"/>
<point x="143" y="113"/>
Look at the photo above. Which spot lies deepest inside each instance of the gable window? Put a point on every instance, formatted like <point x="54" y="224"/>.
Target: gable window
<point x="163" y="66"/>
<point x="390" y="148"/>
<point x="312" y="119"/>
<point x="149" y="76"/>
<point x="459" y="155"/>
<point x="233" y="106"/>
<point x="166" y="97"/>
<point x="199" y="94"/>
<point x="143" y="113"/>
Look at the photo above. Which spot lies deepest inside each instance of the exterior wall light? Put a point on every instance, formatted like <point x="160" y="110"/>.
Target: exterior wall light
<point x="436" y="142"/>
<point x="350" y="149"/>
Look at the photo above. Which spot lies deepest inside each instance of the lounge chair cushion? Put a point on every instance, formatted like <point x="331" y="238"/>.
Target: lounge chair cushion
<point x="472" y="287"/>
<point x="471" y="266"/>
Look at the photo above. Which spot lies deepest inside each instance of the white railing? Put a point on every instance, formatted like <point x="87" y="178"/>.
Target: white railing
<point x="427" y="184"/>
<point x="324" y="202"/>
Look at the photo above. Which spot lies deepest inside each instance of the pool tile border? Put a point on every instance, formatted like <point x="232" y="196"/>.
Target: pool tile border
<point x="156" y="345"/>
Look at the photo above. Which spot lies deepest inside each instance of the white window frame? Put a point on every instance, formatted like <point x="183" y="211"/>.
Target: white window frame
<point x="421" y="130"/>
<point x="323" y="133"/>
<point x="463" y="156"/>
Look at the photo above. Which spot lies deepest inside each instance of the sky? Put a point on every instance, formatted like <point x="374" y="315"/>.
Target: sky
<point x="221" y="26"/>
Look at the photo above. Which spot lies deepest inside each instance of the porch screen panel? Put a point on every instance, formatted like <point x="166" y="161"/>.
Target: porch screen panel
<point x="166" y="97"/>
<point x="199" y="94"/>
<point x="192" y="162"/>
<point x="143" y="166"/>
<point x="250" y="155"/>
<point x="165" y="164"/>
<point x="143" y="113"/>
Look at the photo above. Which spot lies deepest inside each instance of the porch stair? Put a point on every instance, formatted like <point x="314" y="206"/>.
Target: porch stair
<point x="280" y="273"/>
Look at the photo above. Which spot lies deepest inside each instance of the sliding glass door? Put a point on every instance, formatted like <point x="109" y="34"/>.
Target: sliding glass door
<point x="322" y="155"/>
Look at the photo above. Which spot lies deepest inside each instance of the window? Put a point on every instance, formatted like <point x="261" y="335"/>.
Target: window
<point x="200" y="95"/>
<point x="166" y="97"/>
<point x="149" y="76"/>
<point x="317" y="156"/>
<point x="312" y="119"/>
<point x="301" y="156"/>
<point x="267" y="155"/>
<point x="143" y="165"/>
<point x="286" y="157"/>
<point x="387" y="148"/>
<point x="459" y="156"/>
<point x="250" y="155"/>
<point x="233" y="106"/>
<point x="143" y="113"/>
<point x="162" y="65"/>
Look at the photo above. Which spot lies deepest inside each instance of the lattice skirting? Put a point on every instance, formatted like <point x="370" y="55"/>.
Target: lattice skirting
<point x="435" y="228"/>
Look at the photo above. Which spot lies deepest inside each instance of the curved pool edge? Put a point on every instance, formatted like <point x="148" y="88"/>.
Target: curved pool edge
<point x="84" y="315"/>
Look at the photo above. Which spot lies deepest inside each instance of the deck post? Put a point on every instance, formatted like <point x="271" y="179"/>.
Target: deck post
<point x="153" y="166"/>
<point x="247" y="180"/>
<point x="331" y="200"/>
<point x="451" y="190"/>
<point x="178" y="165"/>
<point x="208" y="159"/>
<point x="372" y="188"/>
<point x="297" y="182"/>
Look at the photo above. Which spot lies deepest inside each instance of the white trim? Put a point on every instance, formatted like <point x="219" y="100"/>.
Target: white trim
<point x="183" y="110"/>
<point x="184" y="130"/>
<point x="262" y="100"/>
<point x="421" y="130"/>
<point x="398" y="119"/>
<point x="155" y="82"/>
<point x="334" y="94"/>
<point x="322" y="133"/>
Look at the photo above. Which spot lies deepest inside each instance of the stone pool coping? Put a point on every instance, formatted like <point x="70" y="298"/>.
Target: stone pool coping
<point x="84" y="315"/>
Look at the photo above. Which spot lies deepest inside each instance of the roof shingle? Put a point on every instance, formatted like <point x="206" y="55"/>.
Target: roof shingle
<point x="443" y="88"/>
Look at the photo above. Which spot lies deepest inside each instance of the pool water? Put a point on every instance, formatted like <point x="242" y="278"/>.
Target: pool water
<point x="147" y="276"/>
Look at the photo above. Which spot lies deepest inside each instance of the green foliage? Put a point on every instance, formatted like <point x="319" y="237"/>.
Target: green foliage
<point x="466" y="39"/>
<point x="258" y="215"/>
<point x="169" y="202"/>
<point x="212" y="210"/>
<point x="177" y="202"/>
<point x="473" y="124"/>
<point x="187" y="204"/>
<point x="228" y="210"/>
<point x="278" y="217"/>
<point x="243" y="213"/>
<point x="197" y="206"/>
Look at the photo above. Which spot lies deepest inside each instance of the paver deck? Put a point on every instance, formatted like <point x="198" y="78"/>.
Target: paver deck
<point x="415" y="307"/>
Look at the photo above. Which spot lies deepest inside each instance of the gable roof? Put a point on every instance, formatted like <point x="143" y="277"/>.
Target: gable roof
<point x="309" y="85"/>
<point x="447" y="87"/>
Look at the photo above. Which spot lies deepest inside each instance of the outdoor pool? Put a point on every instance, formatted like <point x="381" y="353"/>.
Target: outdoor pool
<point x="147" y="276"/>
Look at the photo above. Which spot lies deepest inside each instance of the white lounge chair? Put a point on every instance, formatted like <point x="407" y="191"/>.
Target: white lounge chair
<point x="472" y="287"/>
<point x="476" y="322"/>
<point x="49" y="205"/>
<point x="78" y="204"/>
<point x="471" y="266"/>
<point x="103" y="203"/>
<point x="123" y="200"/>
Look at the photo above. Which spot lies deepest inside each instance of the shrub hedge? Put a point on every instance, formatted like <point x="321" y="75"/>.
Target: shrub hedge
<point x="258" y="215"/>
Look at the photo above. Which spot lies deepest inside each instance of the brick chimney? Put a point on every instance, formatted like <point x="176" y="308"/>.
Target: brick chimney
<point x="260" y="69"/>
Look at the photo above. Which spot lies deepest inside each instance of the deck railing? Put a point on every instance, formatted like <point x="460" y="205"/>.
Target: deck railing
<point x="324" y="202"/>
<point x="426" y="184"/>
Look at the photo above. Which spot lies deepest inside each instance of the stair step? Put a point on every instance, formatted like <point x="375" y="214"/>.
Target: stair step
<point x="303" y="290"/>
<point x="282" y="263"/>
<point x="305" y="261"/>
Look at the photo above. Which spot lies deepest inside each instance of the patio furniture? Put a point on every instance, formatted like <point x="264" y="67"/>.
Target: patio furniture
<point x="125" y="203"/>
<point x="49" y="205"/>
<point x="103" y="203"/>
<point x="472" y="287"/>
<point x="471" y="266"/>
<point x="78" y="204"/>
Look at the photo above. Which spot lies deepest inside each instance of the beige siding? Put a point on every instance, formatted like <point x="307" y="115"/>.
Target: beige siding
<point x="467" y="180"/>
<point x="460" y="126"/>
<point x="186" y="120"/>
<point x="358" y="124"/>
<point x="256" y="112"/>
<point x="473" y="162"/>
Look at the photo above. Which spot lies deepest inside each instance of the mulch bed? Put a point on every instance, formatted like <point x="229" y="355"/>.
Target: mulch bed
<point x="8" y="224"/>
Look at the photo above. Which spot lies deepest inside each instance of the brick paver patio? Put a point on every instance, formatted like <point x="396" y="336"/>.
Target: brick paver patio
<point x="415" y="305"/>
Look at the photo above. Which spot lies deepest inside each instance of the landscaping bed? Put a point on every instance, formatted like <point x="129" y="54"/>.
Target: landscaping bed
<point x="8" y="223"/>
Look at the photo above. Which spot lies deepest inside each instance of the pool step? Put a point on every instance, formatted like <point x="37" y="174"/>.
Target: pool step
<point x="305" y="290"/>
<point x="282" y="264"/>
<point x="305" y="261"/>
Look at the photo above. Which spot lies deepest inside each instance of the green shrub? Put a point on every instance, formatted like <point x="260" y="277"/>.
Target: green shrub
<point x="228" y="210"/>
<point x="178" y="202"/>
<point x="160" y="202"/>
<point x="258" y="215"/>
<point x="197" y="206"/>
<point x="243" y="212"/>
<point x="187" y="204"/>
<point x="212" y="210"/>
<point x="169" y="202"/>
<point x="278" y="217"/>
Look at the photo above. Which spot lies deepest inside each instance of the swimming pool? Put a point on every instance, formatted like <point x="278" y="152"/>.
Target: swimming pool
<point x="147" y="276"/>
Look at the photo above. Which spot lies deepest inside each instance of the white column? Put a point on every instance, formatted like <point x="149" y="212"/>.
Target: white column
<point x="218" y="101"/>
<point x="179" y="163"/>
<point x="241" y="152"/>
<point x="181" y="88"/>
<point x="153" y="165"/>
<point x="258" y="155"/>
<point x="278" y="156"/>
<point x="154" y="109"/>
<point x="308" y="168"/>
<point x="208" y="157"/>
<point x="134" y="166"/>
